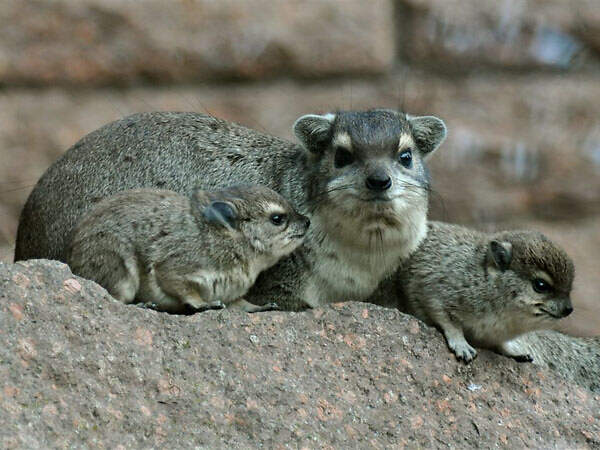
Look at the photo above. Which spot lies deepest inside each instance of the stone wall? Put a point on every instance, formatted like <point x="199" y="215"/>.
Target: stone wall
<point x="516" y="81"/>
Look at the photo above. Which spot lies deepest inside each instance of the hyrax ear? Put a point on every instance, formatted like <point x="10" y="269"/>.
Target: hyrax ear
<point x="314" y="131"/>
<point x="429" y="132"/>
<point x="222" y="213"/>
<point x="501" y="253"/>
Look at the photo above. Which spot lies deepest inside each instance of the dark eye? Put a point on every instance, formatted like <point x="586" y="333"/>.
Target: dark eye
<point x="405" y="158"/>
<point x="278" y="219"/>
<point x="343" y="157"/>
<point x="541" y="286"/>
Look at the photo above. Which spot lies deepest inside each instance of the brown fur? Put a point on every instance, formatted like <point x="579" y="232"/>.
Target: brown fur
<point x="458" y="280"/>
<point x="158" y="247"/>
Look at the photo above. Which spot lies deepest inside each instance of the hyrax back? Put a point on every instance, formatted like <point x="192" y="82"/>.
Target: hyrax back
<point x="177" y="253"/>
<point x="486" y="289"/>
<point x="359" y="175"/>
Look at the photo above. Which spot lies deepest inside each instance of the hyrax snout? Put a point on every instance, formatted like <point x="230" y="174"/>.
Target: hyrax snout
<point x="486" y="289"/>
<point x="374" y="157"/>
<point x="180" y="254"/>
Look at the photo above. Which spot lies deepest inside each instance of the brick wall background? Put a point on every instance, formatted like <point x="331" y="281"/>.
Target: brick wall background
<point x="517" y="81"/>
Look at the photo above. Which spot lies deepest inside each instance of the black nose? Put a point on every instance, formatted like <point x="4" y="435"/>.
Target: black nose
<point x="306" y="222"/>
<point x="379" y="181"/>
<point x="568" y="310"/>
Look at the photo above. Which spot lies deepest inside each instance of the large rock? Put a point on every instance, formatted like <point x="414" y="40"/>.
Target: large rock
<point x="516" y="147"/>
<point x="457" y="36"/>
<point x="92" y="42"/>
<point x="80" y="369"/>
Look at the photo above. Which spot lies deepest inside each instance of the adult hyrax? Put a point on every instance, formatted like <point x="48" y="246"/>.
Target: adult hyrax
<point x="179" y="254"/>
<point x="359" y="176"/>
<point x="486" y="289"/>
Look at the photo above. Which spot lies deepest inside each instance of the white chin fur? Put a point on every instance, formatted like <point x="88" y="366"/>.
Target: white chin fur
<point x="366" y="250"/>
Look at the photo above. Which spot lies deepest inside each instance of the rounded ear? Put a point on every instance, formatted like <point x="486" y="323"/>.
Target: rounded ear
<point x="501" y="254"/>
<point x="314" y="131"/>
<point x="221" y="213"/>
<point x="429" y="132"/>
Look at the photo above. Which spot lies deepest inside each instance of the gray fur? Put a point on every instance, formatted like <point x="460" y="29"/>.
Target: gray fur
<point x="575" y="358"/>
<point x="454" y="281"/>
<point x="158" y="247"/>
<point x="222" y="213"/>
<point x="358" y="237"/>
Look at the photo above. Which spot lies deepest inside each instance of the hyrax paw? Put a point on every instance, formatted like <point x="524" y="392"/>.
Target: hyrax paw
<point x="271" y="307"/>
<point x="148" y="305"/>
<point x="464" y="352"/>
<point x="208" y="307"/>
<point x="522" y="358"/>
<point x="264" y="308"/>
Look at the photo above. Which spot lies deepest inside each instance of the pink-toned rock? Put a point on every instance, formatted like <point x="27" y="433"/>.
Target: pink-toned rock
<point x="99" y="42"/>
<point x="104" y="389"/>
<point x="457" y="36"/>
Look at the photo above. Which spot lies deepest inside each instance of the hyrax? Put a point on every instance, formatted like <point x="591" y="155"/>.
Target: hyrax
<point x="360" y="176"/>
<point x="180" y="254"/>
<point x="486" y="289"/>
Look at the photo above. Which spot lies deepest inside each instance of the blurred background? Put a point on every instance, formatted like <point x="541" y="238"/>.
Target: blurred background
<point x="517" y="82"/>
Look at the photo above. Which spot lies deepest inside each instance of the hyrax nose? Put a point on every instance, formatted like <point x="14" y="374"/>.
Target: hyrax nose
<point x="378" y="181"/>
<point x="567" y="310"/>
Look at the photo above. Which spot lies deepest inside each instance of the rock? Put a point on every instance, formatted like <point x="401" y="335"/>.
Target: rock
<point x="80" y="369"/>
<point x="99" y="42"/>
<point x="457" y="36"/>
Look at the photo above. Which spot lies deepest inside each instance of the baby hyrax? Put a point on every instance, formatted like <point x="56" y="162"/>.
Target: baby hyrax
<point x="182" y="254"/>
<point x="486" y="289"/>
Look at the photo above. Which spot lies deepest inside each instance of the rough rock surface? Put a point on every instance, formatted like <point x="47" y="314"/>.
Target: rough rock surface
<point x="462" y="35"/>
<point x="80" y="369"/>
<point x="98" y="42"/>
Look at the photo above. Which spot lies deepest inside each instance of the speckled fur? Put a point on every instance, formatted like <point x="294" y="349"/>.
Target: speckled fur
<point x="575" y="358"/>
<point x="453" y="281"/>
<point x="158" y="247"/>
<point x="355" y="240"/>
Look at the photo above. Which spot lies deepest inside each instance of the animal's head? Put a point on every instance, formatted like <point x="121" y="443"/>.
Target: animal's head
<point x="535" y="272"/>
<point x="369" y="166"/>
<point x="256" y="214"/>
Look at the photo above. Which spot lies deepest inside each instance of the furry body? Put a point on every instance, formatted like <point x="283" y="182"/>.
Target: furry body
<point x="478" y="289"/>
<point x="158" y="247"/>
<point x="359" y="234"/>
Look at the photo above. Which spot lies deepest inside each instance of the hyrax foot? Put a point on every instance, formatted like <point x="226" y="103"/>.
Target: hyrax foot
<point x="264" y="308"/>
<point x="522" y="358"/>
<point x="148" y="305"/>
<point x="513" y="351"/>
<point x="463" y="351"/>
<point x="190" y="310"/>
<point x="210" y="306"/>
<point x="248" y="307"/>
<point x="457" y="342"/>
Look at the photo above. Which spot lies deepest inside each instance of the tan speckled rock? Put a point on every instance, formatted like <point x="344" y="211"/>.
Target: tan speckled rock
<point x="78" y="368"/>
<point x="100" y="42"/>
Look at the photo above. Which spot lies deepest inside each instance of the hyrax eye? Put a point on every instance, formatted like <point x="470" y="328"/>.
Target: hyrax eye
<point x="343" y="157"/>
<point x="541" y="286"/>
<point x="278" y="219"/>
<point x="405" y="158"/>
